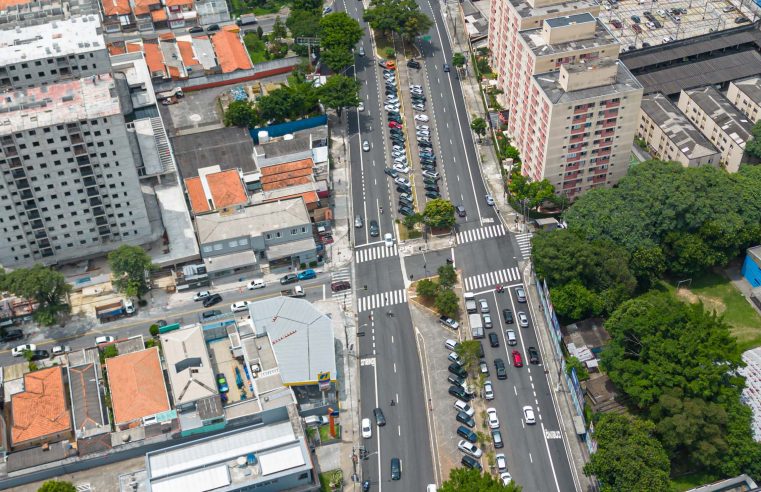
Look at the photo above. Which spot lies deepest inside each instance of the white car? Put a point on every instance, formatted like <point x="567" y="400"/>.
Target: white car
<point x="484" y="305"/>
<point x="391" y="107"/>
<point x="257" y="283"/>
<point x="430" y="174"/>
<point x="388" y="238"/>
<point x="361" y="106"/>
<point x="488" y="390"/>
<point x="402" y="181"/>
<point x="491" y="415"/>
<point x="422" y="127"/>
<point x="399" y="167"/>
<point x="19" y="351"/>
<point x="469" y="448"/>
<point x="200" y="296"/>
<point x="461" y="406"/>
<point x="506" y="478"/>
<point x="415" y="86"/>
<point x="239" y="306"/>
<point x="104" y="339"/>
<point x="489" y="200"/>
<point x="366" y="146"/>
<point x="418" y="107"/>
<point x="392" y="100"/>
<point x="367" y="429"/>
<point x="522" y="319"/>
<point x="501" y="462"/>
<point x="484" y="367"/>
<point x="528" y="415"/>
<point x="421" y="117"/>
<point x="60" y="350"/>
<point x="455" y="358"/>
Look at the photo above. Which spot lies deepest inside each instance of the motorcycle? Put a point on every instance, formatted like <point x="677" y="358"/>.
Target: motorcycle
<point x="500" y="288"/>
<point x="365" y="485"/>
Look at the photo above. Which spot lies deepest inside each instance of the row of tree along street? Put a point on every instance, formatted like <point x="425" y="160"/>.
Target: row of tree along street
<point x="675" y="364"/>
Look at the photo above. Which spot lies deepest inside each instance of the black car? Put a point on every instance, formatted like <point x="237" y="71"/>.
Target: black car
<point x="428" y="162"/>
<point x="393" y="113"/>
<point x="195" y="29"/>
<point x="405" y="202"/>
<point x="424" y="144"/>
<point x="432" y="194"/>
<point x="418" y="99"/>
<point x="533" y="355"/>
<point x="406" y="211"/>
<point x="466" y="419"/>
<point x="403" y="189"/>
<point x="496" y="438"/>
<point x="457" y="369"/>
<point x="212" y="300"/>
<point x="740" y="20"/>
<point x="397" y="140"/>
<point x="396" y="131"/>
<point x="212" y="28"/>
<point x="395" y="119"/>
<point x="430" y="181"/>
<point x="391" y="172"/>
<point x="380" y="419"/>
<point x="374" y="228"/>
<point x="210" y="313"/>
<point x="493" y="340"/>
<point x="413" y="64"/>
<point x="289" y="279"/>
<point x="459" y="392"/>
<point x="508" y="316"/>
<point x="501" y="371"/>
<point x="431" y="187"/>
<point x="11" y="335"/>
<point x="396" y="469"/>
<point x="456" y="380"/>
<point x="40" y="355"/>
<point x="467" y="434"/>
<point x="469" y="461"/>
<point x="429" y="167"/>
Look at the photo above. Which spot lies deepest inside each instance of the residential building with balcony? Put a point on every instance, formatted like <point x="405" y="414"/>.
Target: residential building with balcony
<point x="670" y="136"/>
<point x="720" y="122"/>
<point x="745" y="94"/>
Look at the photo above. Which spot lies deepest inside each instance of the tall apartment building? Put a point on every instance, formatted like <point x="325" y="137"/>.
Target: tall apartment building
<point x="45" y="54"/>
<point x="573" y="107"/>
<point x="68" y="181"/>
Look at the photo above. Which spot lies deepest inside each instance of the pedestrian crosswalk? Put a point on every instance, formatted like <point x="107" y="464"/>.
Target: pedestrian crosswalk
<point x="343" y="296"/>
<point x="374" y="301"/>
<point x="375" y="253"/>
<point x="524" y="243"/>
<point x="480" y="233"/>
<point x="491" y="279"/>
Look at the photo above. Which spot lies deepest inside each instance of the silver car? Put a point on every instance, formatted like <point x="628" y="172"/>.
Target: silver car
<point x="522" y="319"/>
<point x="358" y="222"/>
<point x="484" y="305"/>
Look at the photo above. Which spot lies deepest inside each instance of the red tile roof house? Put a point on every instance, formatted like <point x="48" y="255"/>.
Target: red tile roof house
<point x="137" y="386"/>
<point x="40" y="414"/>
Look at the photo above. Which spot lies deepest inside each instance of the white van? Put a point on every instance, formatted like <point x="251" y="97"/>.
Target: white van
<point x="431" y="488"/>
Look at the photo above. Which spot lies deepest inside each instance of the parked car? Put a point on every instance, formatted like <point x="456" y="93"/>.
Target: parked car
<point x="462" y="406"/>
<point x="307" y="274"/>
<point x="211" y="300"/>
<point x="367" y="430"/>
<point x="210" y="314"/>
<point x="496" y="439"/>
<point x="290" y="278"/>
<point x="200" y="296"/>
<point x="488" y="390"/>
<point x="255" y="284"/>
<point x="239" y="306"/>
<point x="39" y="355"/>
<point x="467" y="434"/>
<point x="11" y="335"/>
<point x="457" y="370"/>
<point x="470" y="462"/>
<point x="459" y="392"/>
<point x="222" y="383"/>
<point x="212" y="28"/>
<point x="19" y="350"/>
<point x="469" y="448"/>
<point x="449" y="322"/>
<point x="501" y="462"/>
<point x="483" y="367"/>
<point x="104" y="339"/>
<point x="492" y="418"/>
<point x="466" y="419"/>
<point x="60" y="350"/>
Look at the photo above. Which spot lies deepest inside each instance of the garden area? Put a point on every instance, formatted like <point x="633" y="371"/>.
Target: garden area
<point x="240" y="7"/>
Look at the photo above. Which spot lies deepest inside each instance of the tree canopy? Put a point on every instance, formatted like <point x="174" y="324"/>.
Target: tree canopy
<point x="439" y="213"/>
<point x="478" y="125"/>
<point x="753" y="146"/>
<point x="57" y="486"/>
<point x="458" y="59"/>
<point x="42" y="284"/>
<point x="402" y="17"/>
<point x="534" y="192"/>
<point x="471" y="480"/>
<point x="292" y="102"/>
<point x="303" y="23"/>
<point x="340" y="92"/>
<point x="130" y="265"/>
<point x="339" y="29"/>
<point x="241" y="113"/>
<point x="629" y="458"/>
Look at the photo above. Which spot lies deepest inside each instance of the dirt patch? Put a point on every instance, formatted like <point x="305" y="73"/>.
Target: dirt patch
<point x="713" y="304"/>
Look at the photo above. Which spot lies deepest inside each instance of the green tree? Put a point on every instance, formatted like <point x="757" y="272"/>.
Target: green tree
<point x="447" y="276"/>
<point x="447" y="303"/>
<point x="469" y="351"/>
<point x="259" y="32"/>
<point x="439" y="213"/>
<point x="304" y="23"/>
<point x="291" y="102"/>
<point x="753" y="146"/>
<point x="472" y="480"/>
<point x="410" y="221"/>
<point x="339" y="30"/>
<point x="45" y="286"/>
<point x="581" y="370"/>
<point x="241" y="113"/>
<point x="340" y="92"/>
<point x="402" y="17"/>
<point x="130" y="266"/>
<point x="573" y="301"/>
<point x="478" y="125"/>
<point x="337" y="58"/>
<point x="629" y="458"/>
<point x="307" y="5"/>
<point x="415" y="24"/>
<point x="278" y="30"/>
<point x="647" y="264"/>
<point x="458" y="60"/>
<point x="427" y="288"/>
<point x="57" y="486"/>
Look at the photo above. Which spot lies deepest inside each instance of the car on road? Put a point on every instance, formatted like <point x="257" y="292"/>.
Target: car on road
<point x="506" y="478"/>
<point x="489" y="200"/>
<point x="222" y="383"/>
<point x="446" y="67"/>
<point x="469" y="448"/>
<point x="470" y="462"/>
<point x="210" y="314"/>
<point x="366" y="146"/>
<point x="421" y="117"/>
<point x="396" y="469"/>
<point x="491" y="417"/>
<point x="212" y="28"/>
<point x="307" y="274"/>
<point x="388" y="239"/>
<point x="501" y="371"/>
<point x="257" y="283"/>
<point x="487" y="320"/>
<point x="19" y="350"/>
<point x="533" y="355"/>
<point x="522" y="319"/>
<point x="501" y="462"/>
<point x="361" y="106"/>
<point x="462" y="406"/>
<point x="488" y="390"/>
<point x="358" y="222"/>
<point x="517" y="359"/>
<point x="483" y="367"/>
<point x="458" y="391"/>
<point x="239" y="306"/>
<point x="511" y="338"/>
<point x="212" y="300"/>
<point x="466" y="419"/>
<point x="391" y="172"/>
<point x="460" y="211"/>
<point x="413" y="64"/>
<point x="289" y="279"/>
<point x="528" y="415"/>
<point x="39" y="355"/>
<point x="200" y="296"/>
<point x="195" y="29"/>
<point x="380" y="419"/>
<point x="493" y="340"/>
<point x="520" y="293"/>
<point x="467" y="434"/>
<point x="374" y="228"/>
<point x="507" y="315"/>
<point x="104" y="339"/>
<point x="340" y="285"/>
<point x="457" y="370"/>
<point x="11" y="335"/>
<point x="496" y="438"/>
<point x="449" y="322"/>
<point x="367" y="430"/>
<point x="361" y="51"/>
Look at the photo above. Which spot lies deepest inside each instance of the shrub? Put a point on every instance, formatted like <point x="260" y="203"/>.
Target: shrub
<point x="389" y="52"/>
<point x="312" y="264"/>
<point x="154" y="330"/>
<point x="302" y="266"/>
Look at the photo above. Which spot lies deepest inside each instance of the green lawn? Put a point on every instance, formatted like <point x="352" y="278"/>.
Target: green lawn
<point x="325" y="432"/>
<point x="718" y="294"/>
<point x="332" y="477"/>
<point x="240" y="7"/>
<point x="687" y="482"/>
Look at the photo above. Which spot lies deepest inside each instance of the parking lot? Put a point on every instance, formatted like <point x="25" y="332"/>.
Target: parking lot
<point x="701" y="17"/>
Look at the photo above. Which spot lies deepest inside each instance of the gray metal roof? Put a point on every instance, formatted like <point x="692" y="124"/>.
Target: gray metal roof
<point x="300" y="335"/>
<point x="85" y="397"/>
<point x="569" y="20"/>
<point x="727" y="117"/>
<point x="751" y="87"/>
<point x="680" y="130"/>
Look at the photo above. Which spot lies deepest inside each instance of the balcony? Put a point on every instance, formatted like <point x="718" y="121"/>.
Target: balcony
<point x="76" y="138"/>
<point x="581" y="109"/>
<point x="95" y="201"/>
<point x="599" y="179"/>
<point x="18" y="174"/>
<point x="80" y="150"/>
<point x="10" y="151"/>
<point x="101" y="221"/>
<point x="30" y="205"/>
<point x="26" y="195"/>
<point x="603" y="152"/>
<point x="611" y="104"/>
<point x="578" y="138"/>
<point x="610" y="114"/>
<point x="38" y="224"/>
<point x="609" y="123"/>
<point x="577" y="130"/>
<point x="91" y="192"/>
<point x="568" y="185"/>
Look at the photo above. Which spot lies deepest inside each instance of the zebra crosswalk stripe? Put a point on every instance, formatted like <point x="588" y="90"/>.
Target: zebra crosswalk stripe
<point x="480" y="233"/>
<point x="375" y="253"/>
<point x="375" y="301"/>
<point x="524" y="243"/>
<point x="490" y="279"/>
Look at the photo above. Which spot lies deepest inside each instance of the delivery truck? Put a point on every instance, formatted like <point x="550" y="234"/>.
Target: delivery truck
<point x="470" y="302"/>
<point x="114" y="310"/>
<point x="297" y="291"/>
<point x="476" y="326"/>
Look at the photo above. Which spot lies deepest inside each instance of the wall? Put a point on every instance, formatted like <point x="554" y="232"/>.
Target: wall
<point x="751" y="271"/>
<point x="28" y="73"/>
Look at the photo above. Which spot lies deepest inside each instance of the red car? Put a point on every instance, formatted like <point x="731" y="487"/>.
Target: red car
<point x="517" y="359"/>
<point x="394" y="124"/>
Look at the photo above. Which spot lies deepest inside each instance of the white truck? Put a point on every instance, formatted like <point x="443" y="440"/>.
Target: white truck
<point x="175" y="92"/>
<point x="470" y="302"/>
<point x="476" y="326"/>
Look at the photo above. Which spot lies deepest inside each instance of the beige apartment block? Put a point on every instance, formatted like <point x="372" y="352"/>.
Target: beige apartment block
<point x="670" y="136"/>
<point x="745" y="94"/>
<point x="724" y="125"/>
